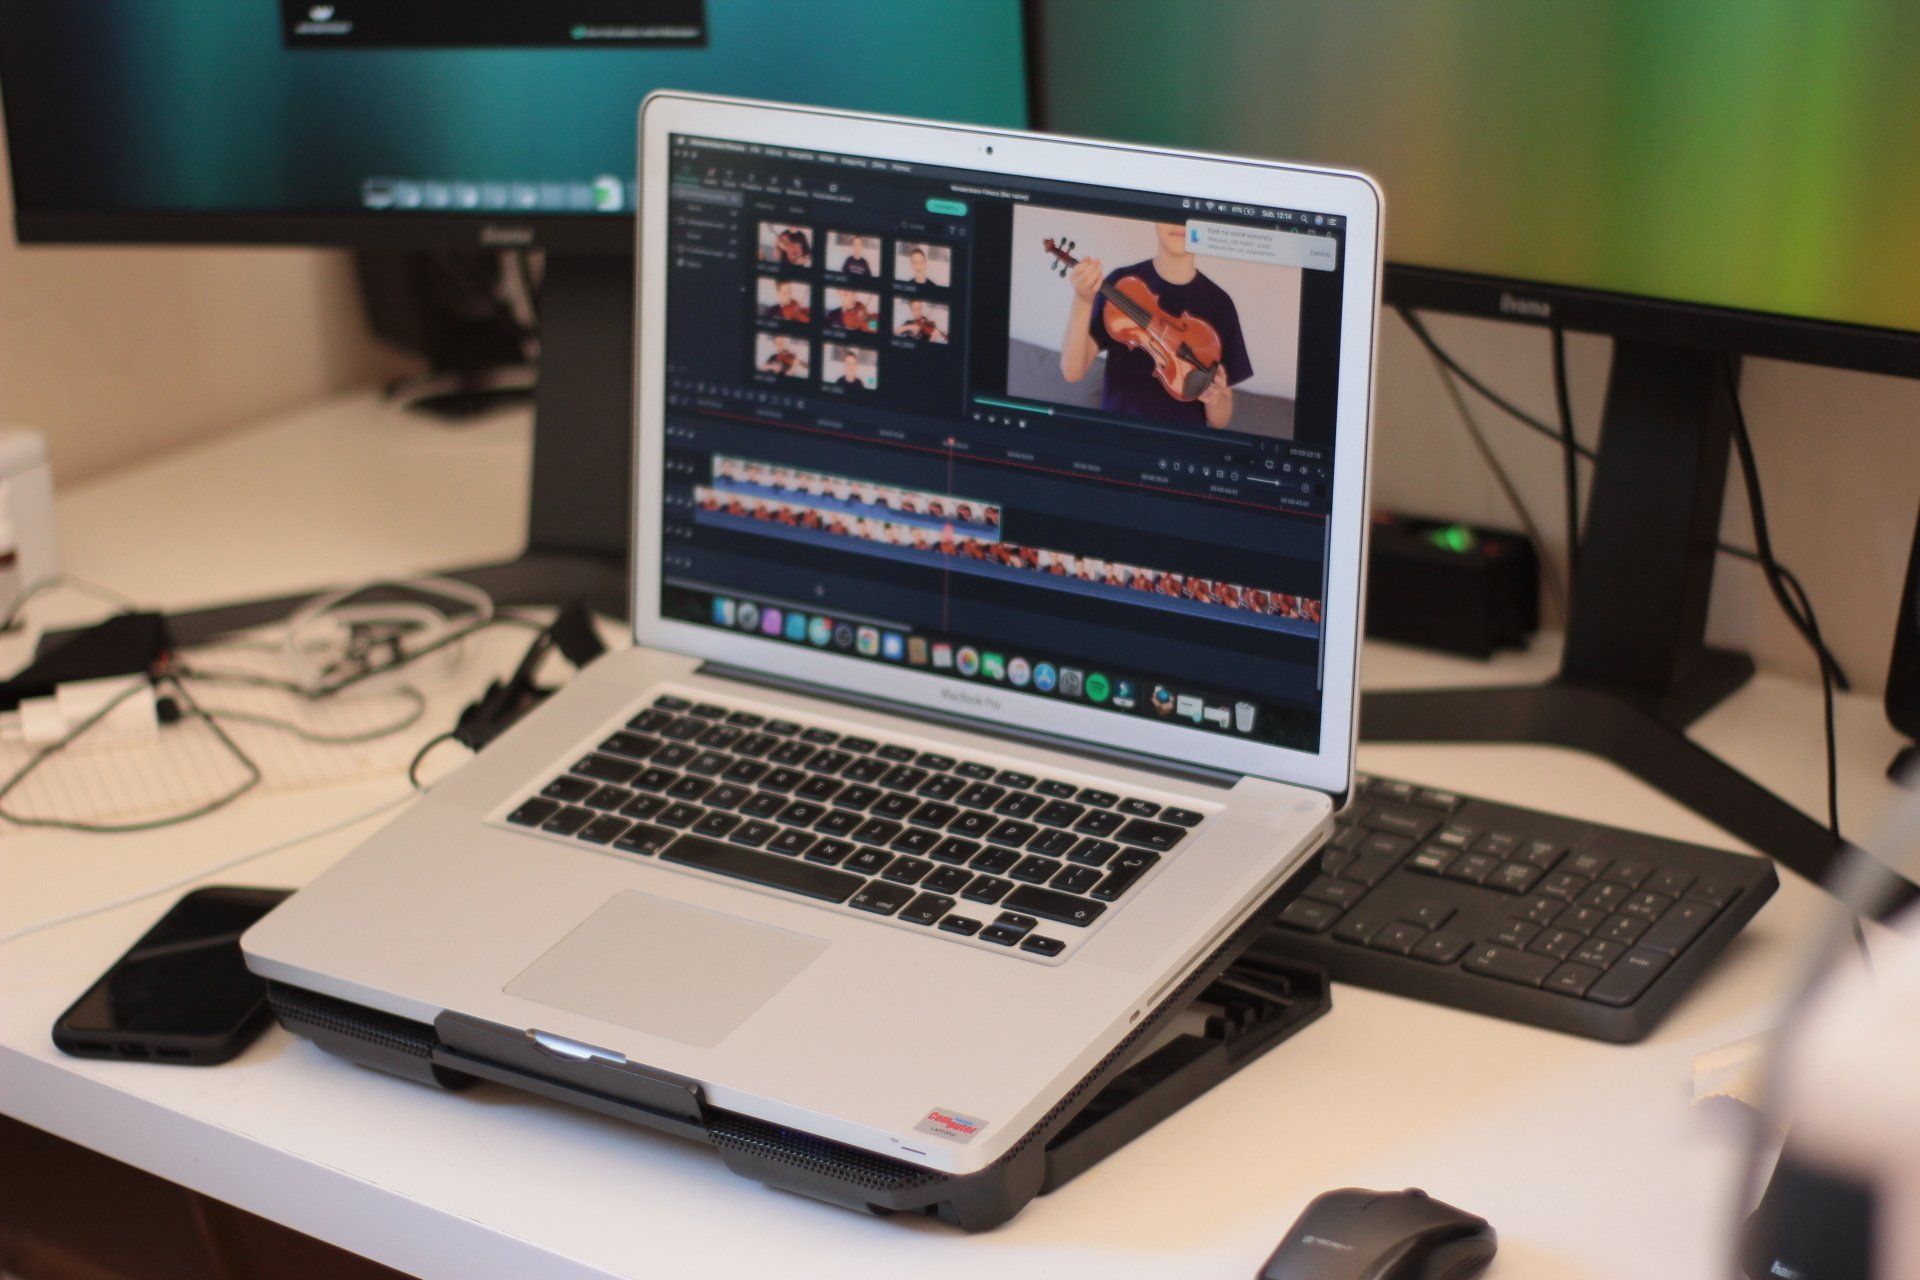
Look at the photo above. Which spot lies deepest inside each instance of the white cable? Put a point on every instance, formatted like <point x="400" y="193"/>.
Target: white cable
<point x="216" y="869"/>
<point x="471" y="609"/>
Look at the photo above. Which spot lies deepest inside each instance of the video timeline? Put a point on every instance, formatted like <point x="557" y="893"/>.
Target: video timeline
<point x="959" y="534"/>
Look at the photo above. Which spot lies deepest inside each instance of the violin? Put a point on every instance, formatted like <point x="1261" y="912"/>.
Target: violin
<point x="1185" y="349"/>
<point x="920" y="327"/>
<point x="857" y="316"/>
<point x="795" y="311"/>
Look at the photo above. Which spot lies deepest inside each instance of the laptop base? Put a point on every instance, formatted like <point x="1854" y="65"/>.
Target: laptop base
<point x="1229" y="1012"/>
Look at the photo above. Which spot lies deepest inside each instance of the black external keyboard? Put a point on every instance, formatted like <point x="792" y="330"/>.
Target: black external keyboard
<point x="1516" y="913"/>
<point x="975" y="852"/>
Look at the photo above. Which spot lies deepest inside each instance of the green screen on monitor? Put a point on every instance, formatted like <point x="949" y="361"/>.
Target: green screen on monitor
<point x="1762" y="155"/>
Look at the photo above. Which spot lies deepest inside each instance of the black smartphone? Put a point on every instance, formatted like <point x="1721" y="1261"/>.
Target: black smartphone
<point x="181" y="994"/>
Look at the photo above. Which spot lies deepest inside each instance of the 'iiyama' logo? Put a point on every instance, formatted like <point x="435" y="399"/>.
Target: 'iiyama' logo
<point x="1532" y="308"/>
<point x="970" y="698"/>
<point x="500" y="235"/>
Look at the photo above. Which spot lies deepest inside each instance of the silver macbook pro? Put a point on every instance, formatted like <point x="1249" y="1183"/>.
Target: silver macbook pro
<point x="997" y="597"/>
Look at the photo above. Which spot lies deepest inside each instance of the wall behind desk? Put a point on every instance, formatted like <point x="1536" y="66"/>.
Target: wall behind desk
<point x="119" y="353"/>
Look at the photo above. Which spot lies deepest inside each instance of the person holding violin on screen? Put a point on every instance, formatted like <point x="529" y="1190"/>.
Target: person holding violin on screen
<point x="1130" y="386"/>
<point x="786" y="306"/>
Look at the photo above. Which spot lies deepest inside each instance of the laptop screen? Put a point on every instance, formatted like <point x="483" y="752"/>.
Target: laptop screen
<point x="1069" y="440"/>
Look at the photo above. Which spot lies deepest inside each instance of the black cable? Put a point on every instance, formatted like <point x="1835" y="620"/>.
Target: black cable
<point x="1799" y="623"/>
<point x="1569" y="449"/>
<point x="420" y="758"/>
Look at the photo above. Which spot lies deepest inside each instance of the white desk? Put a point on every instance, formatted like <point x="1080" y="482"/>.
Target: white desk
<point x="1585" y="1156"/>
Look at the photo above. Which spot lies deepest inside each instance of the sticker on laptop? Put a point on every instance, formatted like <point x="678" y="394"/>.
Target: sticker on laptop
<point x="950" y="1125"/>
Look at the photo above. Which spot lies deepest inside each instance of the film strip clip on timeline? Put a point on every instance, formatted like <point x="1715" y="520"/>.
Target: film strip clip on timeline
<point x="962" y="535"/>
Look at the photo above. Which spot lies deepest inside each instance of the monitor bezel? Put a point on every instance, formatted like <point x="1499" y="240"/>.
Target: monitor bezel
<point x="1022" y="155"/>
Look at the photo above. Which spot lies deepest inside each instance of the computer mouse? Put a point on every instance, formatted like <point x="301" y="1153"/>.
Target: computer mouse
<point x="1354" y="1234"/>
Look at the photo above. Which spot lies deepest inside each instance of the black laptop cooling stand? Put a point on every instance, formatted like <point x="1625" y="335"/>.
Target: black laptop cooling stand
<point x="1232" y="1009"/>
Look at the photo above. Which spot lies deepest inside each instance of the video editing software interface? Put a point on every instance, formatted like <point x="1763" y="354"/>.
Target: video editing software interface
<point x="1063" y="439"/>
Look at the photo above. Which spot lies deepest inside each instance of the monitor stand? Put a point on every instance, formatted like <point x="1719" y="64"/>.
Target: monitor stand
<point x="581" y="515"/>
<point x="1636" y="670"/>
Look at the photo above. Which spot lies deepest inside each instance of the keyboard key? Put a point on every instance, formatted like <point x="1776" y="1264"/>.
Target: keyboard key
<point x="1134" y="808"/>
<point x="825" y="762"/>
<point x="792" y="843"/>
<point x="904" y="870"/>
<point x="718" y="738"/>
<point x="947" y="880"/>
<point x="1015" y="920"/>
<point x="1516" y="933"/>
<point x="1541" y="853"/>
<point x="716" y="824"/>
<point x="1438" y="801"/>
<point x="880" y="898"/>
<point x="857" y="797"/>
<point x="973" y="824"/>
<point x="1426" y="913"/>
<point x="745" y="719"/>
<point x="1309" y="916"/>
<point x="800" y="813"/>
<point x="674" y="755"/>
<point x="650" y="722"/>
<point x="1148" y="834"/>
<point x="568" y="820"/>
<point x="1647" y="906"/>
<point x="1539" y="909"/>
<point x="995" y="861"/>
<point x="727" y="796"/>
<point x="755" y="745"/>
<point x="1076" y="879"/>
<point x="1501" y="844"/>
<point x="1035" y="870"/>
<point x="1623" y="929"/>
<point x="1672" y="882"/>
<point x="753" y="832"/>
<point x="988" y="889"/>
<point x="1380" y="844"/>
<point x="894" y="804"/>
<point x="1399" y="938"/>
<point x="763" y="804"/>
<point x="1181" y="817"/>
<point x="1335" y="892"/>
<point x="1042" y="946"/>
<point x="1123" y="871"/>
<point x="1514" y="877"/>
<point x="867" y="770"/>
<point x="895" y="752"/>
<point x="867" y="860"/>
<point x="635" y="746"/>
<point x="532" y="813"/>
<point x="781" y="728"/>
<point x="953" y="849"/>
<point x="1628" y="980"/>
<point x="1627" y="873"/>
<point x="830" y="851"/>
<point x="1443" y="947"/>
<point x="568" y="790"/>
<point x="1015" y="779"/>
<point x="768" y="869"/>
<point x="643" y="806"/>
<point x="1012" y="834"/>
<point x="1678" y="927"/>
<point x="603" y="829"/>
<point x="1053" y="843"/>
<point x="1000" y="935"/>
<point x="1020" y="804"/>
<point x="1509" y="965"/>
<point x="644" y="838"/>
<point x="1091" y="851"/>
<point x="1390" y="789"/>
<point x="1599" y="953"/>
<point x="708" y="711"/>
<point x="916" y="840"/>
<point x="1718" y="892"/>
<point x="671" y="702"/>
<point x="933" y="760"/>
<point x="932" y="813"/>
<point x="974" y="770"/>
<point x="1564" y="884"/>
<point x="744" y="772"/>
<point x="876" y="831"/>
<point x="1589" y="865"/>
<point x="1558" y="943"/>
<point x="1359" y="926"/>
<point x="1606" y="897"/>
<point x="1473" y="868"/>
<point x="688" y="787"/>
<point x="858" y="746"/>
<point x="1581" y="920"/>
<point x="903" y="777"/>
<point x="941" y="786"/>
<point x="1100" y="822"/>
<point x="927" y="908"/>
<point x="1432" y="860"/>
<point x="1456" y="837"/>
<point x="1058" y="813"/>
<point x="820" y="737"/>
<point x="1572" y="979"/>
<point x="965" y="926"/>
<point x="838" y="822"/>
<point x="1403" y="822"/>
<point x="684" y="729"/>
<point x="981" y="795"/>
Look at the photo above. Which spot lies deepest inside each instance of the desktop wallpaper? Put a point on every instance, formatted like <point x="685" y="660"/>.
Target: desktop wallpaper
<point x="1753" y="154"/>
<point x="188" y="105"/>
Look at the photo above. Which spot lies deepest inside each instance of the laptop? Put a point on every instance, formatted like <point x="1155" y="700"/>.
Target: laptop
<point x="996" y="601"/>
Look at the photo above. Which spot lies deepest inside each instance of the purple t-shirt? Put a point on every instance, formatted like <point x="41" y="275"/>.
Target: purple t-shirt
<point x="1130" y="386"/>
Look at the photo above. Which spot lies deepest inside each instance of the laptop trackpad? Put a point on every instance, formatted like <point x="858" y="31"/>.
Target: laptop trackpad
<point x="667" y="969"/>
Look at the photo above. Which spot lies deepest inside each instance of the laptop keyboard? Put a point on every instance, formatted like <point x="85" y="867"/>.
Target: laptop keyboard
<point x="973" y="852"/>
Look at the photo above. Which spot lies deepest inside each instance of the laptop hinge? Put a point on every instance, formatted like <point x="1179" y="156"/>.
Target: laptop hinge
<point x="1051" y="741"/>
